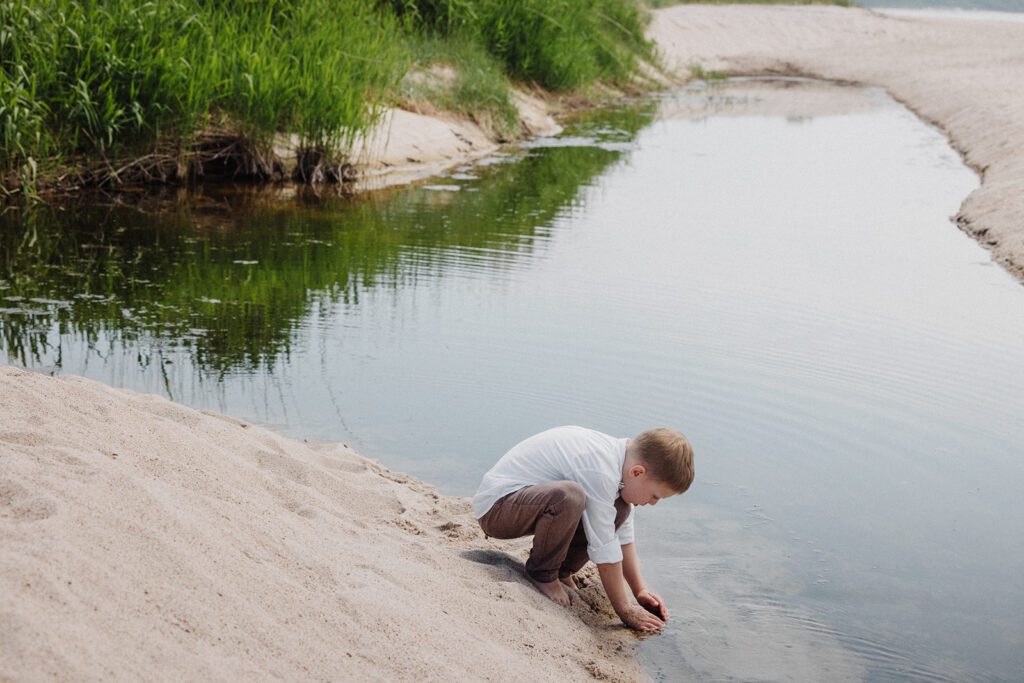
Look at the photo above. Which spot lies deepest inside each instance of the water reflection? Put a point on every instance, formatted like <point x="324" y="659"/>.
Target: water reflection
<point x="231" y="276"/>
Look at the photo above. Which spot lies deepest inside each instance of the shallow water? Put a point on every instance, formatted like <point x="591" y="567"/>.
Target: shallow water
<point x="775" y="277"/>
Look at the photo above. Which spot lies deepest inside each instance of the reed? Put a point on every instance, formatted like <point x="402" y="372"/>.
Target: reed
<point x="102" y="80"/>
<point x="557" y="44"/>
<point x="107" y="91"/>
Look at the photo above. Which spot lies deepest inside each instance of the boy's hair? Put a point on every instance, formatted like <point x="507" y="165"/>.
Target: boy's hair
<point x="668" y="455"/>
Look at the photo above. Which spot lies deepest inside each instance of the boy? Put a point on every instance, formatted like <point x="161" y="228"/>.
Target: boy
<point x="574" y="489"/>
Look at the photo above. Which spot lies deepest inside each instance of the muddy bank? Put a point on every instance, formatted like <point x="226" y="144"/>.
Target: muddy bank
<point x="966" y="77"/>
<point x="146" y="540"/>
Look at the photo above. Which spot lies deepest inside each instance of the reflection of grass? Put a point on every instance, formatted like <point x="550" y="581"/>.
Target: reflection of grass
<point x="699" y="73"/>
<point x="232" y="278"/>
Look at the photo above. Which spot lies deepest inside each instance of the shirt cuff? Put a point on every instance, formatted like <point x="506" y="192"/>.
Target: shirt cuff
<point x="609" y="553"/>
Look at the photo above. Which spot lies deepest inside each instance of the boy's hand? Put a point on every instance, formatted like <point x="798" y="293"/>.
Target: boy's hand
<point x="652" y="603"/>
<point x="640" y="619"/>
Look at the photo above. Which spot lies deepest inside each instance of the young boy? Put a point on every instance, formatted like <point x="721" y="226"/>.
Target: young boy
<point x="574" y="489"/>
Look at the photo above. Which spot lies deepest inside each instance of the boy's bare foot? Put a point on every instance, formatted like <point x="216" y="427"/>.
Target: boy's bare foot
<point x="570" y="581"/>
<point x="552" y="589"/>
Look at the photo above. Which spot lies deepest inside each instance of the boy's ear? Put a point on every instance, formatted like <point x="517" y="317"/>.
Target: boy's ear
<point x="638" y="470"/>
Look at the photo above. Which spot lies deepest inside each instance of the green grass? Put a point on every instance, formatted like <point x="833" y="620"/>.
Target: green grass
<point x="557" y="44"/>
<point x="107" y="78"/>
<point x="459" y="75"/>
<point x="87" y="82"/>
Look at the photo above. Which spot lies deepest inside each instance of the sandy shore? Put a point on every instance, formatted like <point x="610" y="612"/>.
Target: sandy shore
<point x="966" y="77"/>
<point x="143" y="540"/>
<point x="413" y="145"/>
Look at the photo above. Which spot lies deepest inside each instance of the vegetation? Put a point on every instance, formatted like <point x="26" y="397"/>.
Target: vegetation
<point x="102" y="79"/>
<point x="560" y="44"/>
<point x="702" y="74"/>
<point x="178" y="88"/>
<point x="458" y="74"/>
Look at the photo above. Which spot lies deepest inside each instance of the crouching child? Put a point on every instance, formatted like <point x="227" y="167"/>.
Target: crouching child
<point x="574" y="490"/>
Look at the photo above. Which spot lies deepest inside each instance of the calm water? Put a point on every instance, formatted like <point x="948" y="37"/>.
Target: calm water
<point x="983" y="5"/>
<point x="770" y="271"/>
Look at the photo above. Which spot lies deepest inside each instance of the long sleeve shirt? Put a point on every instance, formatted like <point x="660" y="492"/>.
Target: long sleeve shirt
<point x="591" y="459"/>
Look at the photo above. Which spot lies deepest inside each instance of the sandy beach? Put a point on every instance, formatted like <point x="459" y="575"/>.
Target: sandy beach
<point x="966" y="77"/>
<point x="143" y="540"/>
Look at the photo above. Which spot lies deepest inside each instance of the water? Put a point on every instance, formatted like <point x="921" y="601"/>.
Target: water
<point x="770" y="269"/>
<point x="971" y="5"/>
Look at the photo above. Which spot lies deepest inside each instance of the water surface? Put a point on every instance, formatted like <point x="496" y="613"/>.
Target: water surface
<point x="772" y="270"/>
<point x="969" y="5"/>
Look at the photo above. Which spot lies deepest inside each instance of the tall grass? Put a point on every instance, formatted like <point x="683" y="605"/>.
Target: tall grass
<point x="558" y="44"/>
<point x="457" y="74"/>
<point x="105" y="77"/>
<point x="104" y="81"/>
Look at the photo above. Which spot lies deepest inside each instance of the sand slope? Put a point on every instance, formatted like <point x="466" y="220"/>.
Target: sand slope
<point x="144" y="540"/>
<point x="967" y="77"/>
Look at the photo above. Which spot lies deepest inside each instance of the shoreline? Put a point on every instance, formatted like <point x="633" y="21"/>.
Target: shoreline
<point x="144" y="540"/>
<point x="410" y="146"/>
<point x="962" y="77"/>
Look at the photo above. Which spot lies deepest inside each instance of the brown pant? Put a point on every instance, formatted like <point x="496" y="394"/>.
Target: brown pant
<point x="551" y="512"/>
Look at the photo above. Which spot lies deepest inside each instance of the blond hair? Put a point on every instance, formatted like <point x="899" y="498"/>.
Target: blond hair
<point x="668" y="455"/>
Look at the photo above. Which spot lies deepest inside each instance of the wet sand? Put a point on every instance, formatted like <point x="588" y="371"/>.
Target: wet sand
<point x="966" y="77"/>
<point x="143" y="540"/>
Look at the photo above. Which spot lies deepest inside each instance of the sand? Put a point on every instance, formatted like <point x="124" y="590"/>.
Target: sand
<point x="143" y="540"/>
<point x="966" y="77"/>
<point x="412" y="145"/>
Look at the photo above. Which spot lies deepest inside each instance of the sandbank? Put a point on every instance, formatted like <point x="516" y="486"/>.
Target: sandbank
<point x="144" y="540"/>
<point x="965" y="77"/>
<point x="407" y="146"/>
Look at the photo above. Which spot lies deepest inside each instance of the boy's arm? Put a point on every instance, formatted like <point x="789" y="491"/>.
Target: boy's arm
<point x="631" y="613"/>
<point x="631" y="568"/>
<point x="631" y="572"/>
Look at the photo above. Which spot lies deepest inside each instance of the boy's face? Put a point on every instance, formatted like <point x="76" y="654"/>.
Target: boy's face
<point x="641" y="488"/>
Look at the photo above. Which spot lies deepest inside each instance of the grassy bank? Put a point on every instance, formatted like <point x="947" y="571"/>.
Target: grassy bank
<point x="105" y="92"/>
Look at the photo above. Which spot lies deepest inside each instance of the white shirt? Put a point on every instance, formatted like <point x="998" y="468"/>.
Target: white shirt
<point x="591" y="459"/>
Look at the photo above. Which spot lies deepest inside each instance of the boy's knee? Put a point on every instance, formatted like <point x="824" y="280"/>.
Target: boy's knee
<point x="574" y="497"/>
